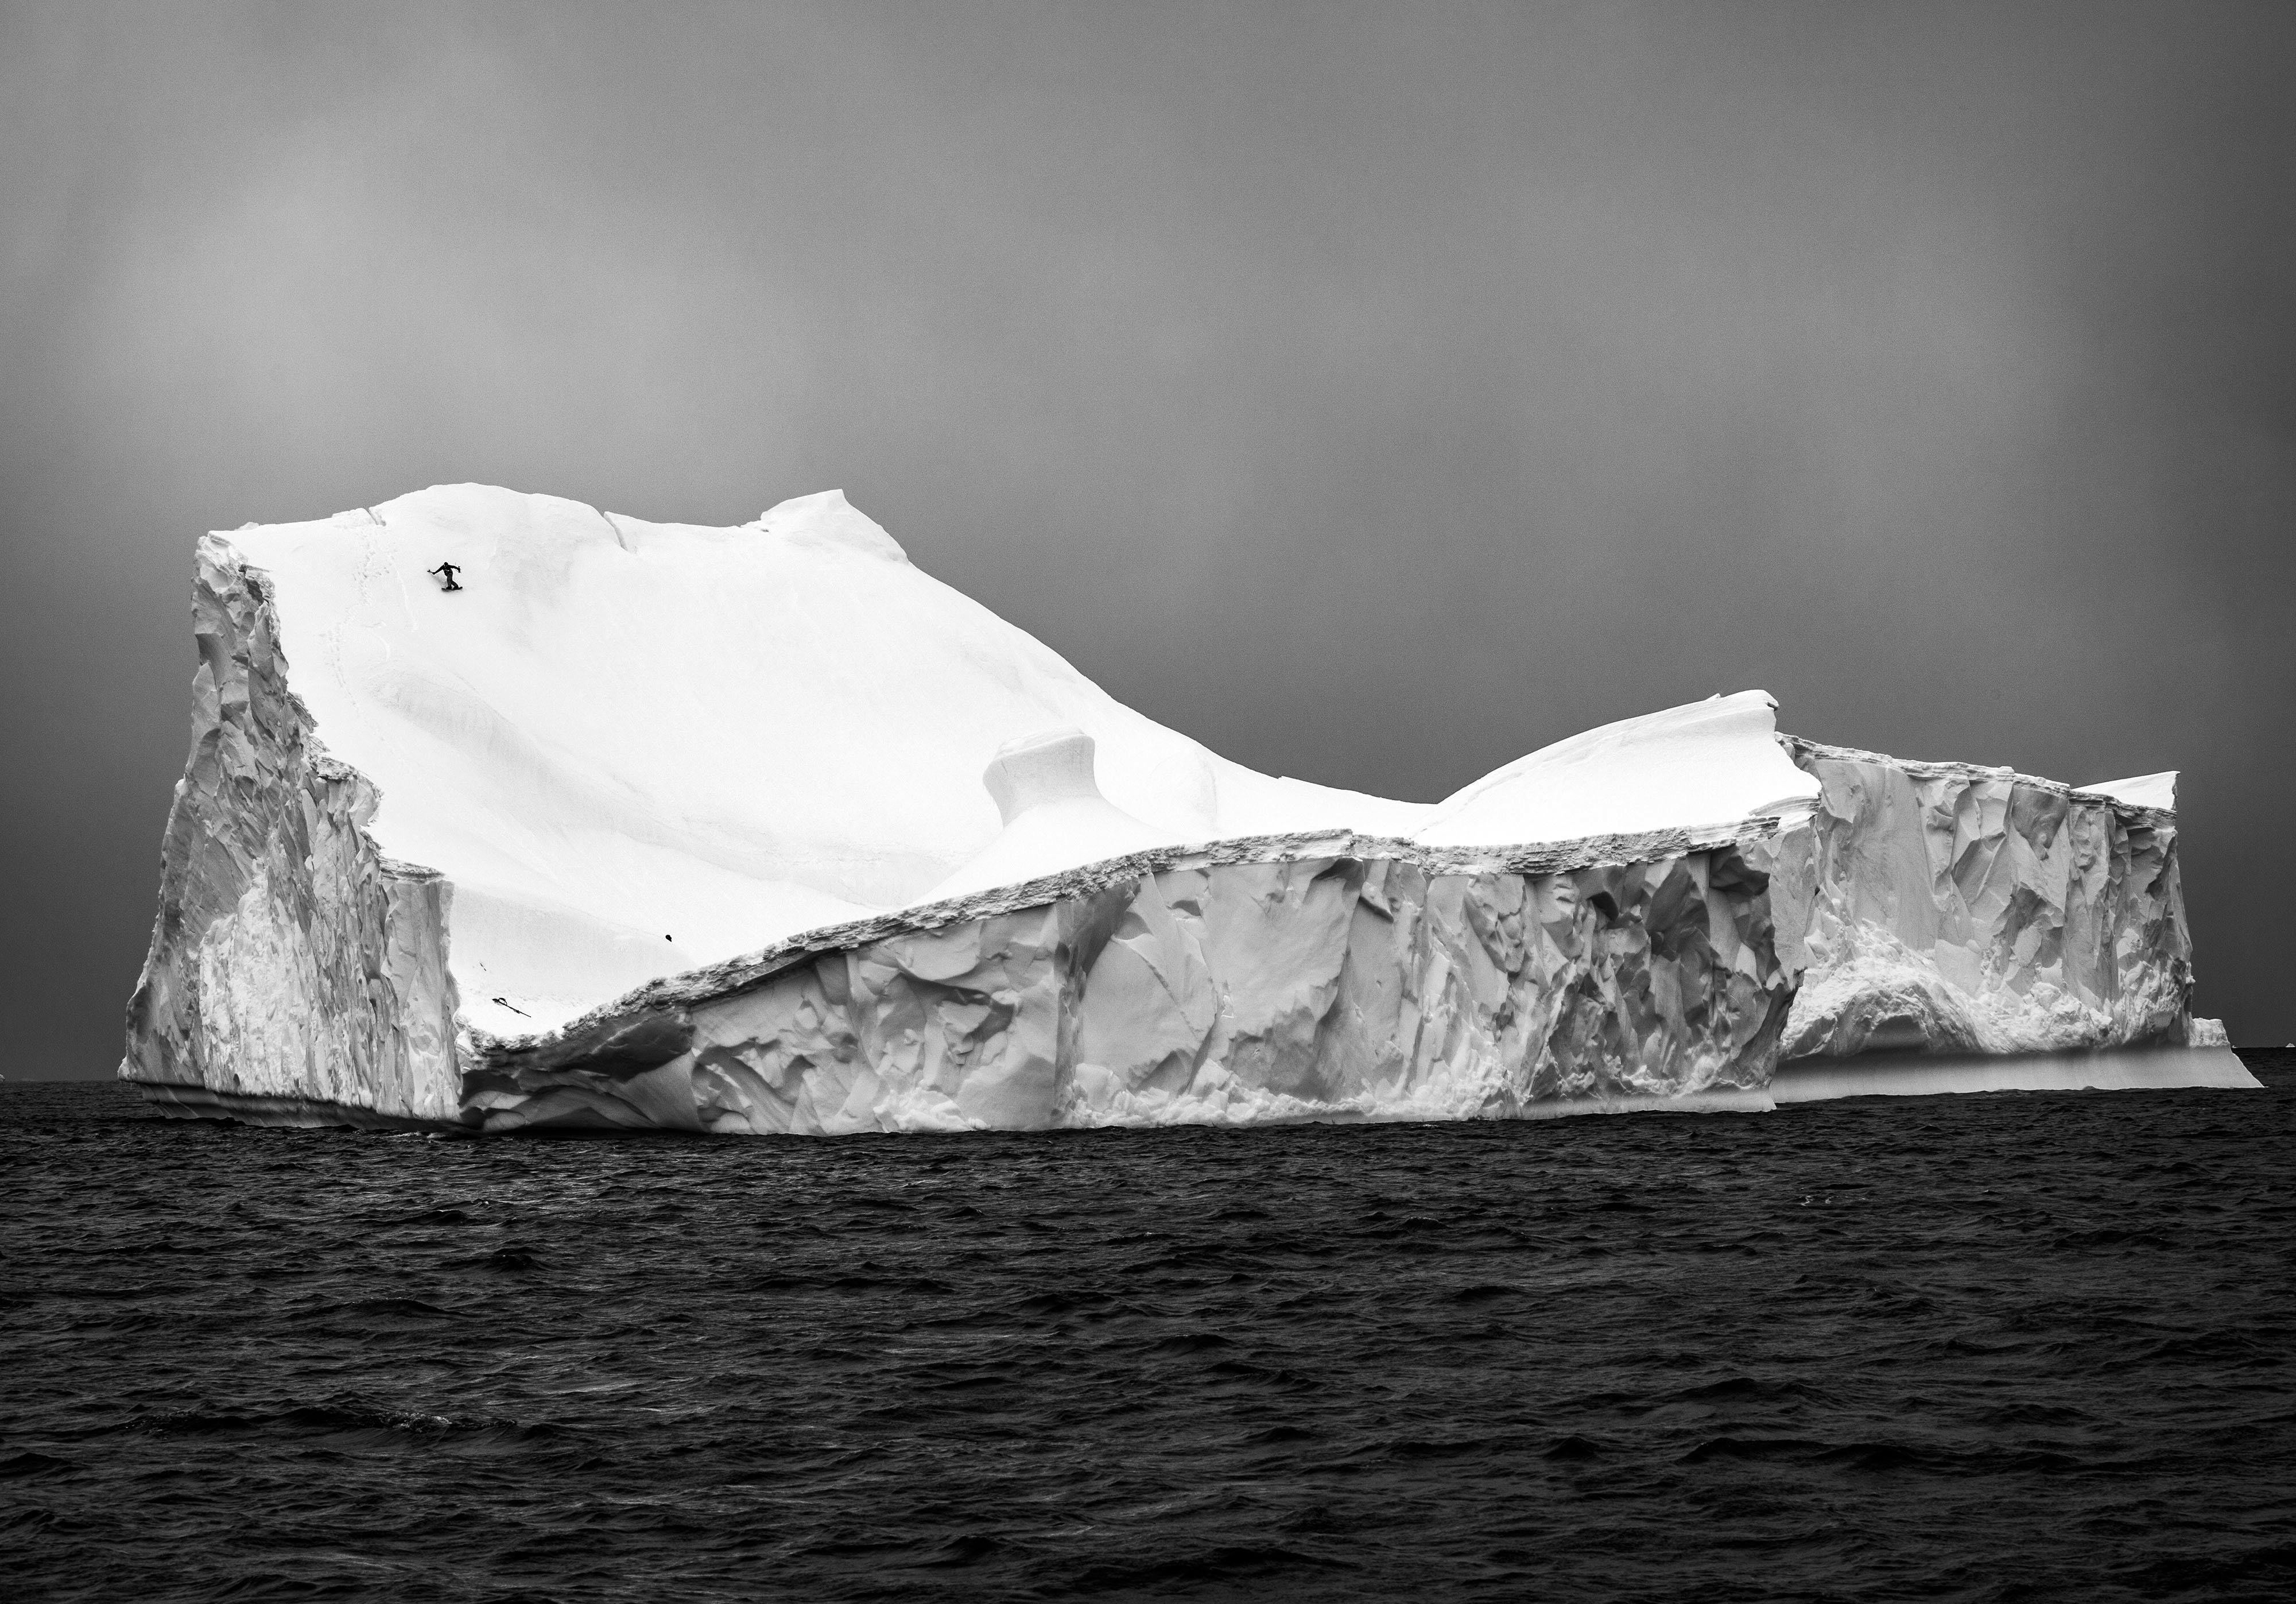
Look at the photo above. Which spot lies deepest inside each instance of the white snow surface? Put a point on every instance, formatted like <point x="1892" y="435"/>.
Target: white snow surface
<point x="1055" y="818"/>
<point x="1707" y="763"/>
<point x="2141" y="790"/>
<point x="635" y="748"/>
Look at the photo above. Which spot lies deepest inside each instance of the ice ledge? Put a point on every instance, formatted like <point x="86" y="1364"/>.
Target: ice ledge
<point x="608" y="1027"/>
<point x="2109" y="791"/>
<point x="2158" y="1069"/>
<point x="1908" y="1075"/>
<point x="178" y="1101"/>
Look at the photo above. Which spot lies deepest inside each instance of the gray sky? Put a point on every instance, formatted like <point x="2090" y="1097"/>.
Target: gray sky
<point x="1372" y="392"/>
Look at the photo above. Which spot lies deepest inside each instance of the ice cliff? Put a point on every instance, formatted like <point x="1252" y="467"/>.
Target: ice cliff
<point x="1277" y="977"/>
<point x="1959" y="910"/>
<point x="762" y="829"/>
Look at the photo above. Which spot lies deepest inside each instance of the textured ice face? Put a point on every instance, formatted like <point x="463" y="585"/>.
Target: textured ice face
<point x="1959" y="910"/>
<point x="1271" y="983"/>
<point x="290" y="958"/>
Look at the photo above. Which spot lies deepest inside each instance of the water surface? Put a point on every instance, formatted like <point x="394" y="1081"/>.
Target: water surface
<point x="2002" y="1347"/>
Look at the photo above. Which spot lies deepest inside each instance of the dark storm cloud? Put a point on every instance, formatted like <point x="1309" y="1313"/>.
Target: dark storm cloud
<point x="1374" y="393"/>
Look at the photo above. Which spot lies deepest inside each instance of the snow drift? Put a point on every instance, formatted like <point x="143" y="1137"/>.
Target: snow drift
<point x="762" y="829"/>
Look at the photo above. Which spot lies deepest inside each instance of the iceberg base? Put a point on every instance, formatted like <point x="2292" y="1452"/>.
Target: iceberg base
<point x="1878" y="1075"/>
<point x="1912" y="1075"/>
<point x="182" y="1102"/>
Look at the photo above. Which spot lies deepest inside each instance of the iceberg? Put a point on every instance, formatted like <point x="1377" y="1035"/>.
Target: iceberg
<point x="763" y="830"/>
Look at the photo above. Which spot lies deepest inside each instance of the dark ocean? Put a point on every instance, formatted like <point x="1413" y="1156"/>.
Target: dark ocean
<point x="2014" y="1346"/>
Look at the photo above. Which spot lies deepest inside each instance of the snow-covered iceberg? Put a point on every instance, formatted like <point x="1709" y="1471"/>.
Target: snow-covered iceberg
<point x="762" y="829"/>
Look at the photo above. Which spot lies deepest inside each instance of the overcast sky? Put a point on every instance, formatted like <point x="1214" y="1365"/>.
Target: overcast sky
<point x="1372" y="392"/>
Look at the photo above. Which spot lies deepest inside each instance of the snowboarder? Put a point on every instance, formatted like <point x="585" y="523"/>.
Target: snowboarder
<point x="446" y="571"/>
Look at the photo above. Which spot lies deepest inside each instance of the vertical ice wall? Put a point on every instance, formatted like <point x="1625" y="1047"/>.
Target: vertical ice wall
<point x="1260" y="980"/>
<point x="1961" y="910"/>
<point x="290" y="958"/>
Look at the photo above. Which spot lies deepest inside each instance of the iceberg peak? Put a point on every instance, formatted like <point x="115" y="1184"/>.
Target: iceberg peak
<point x="1703" y="763"/>
<point x="2141" y="790"/>
<point x="826" y="519"/>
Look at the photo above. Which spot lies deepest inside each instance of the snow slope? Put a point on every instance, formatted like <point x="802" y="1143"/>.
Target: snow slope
<point x="635" y="747"/>
<point x="1707" y="763"/>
